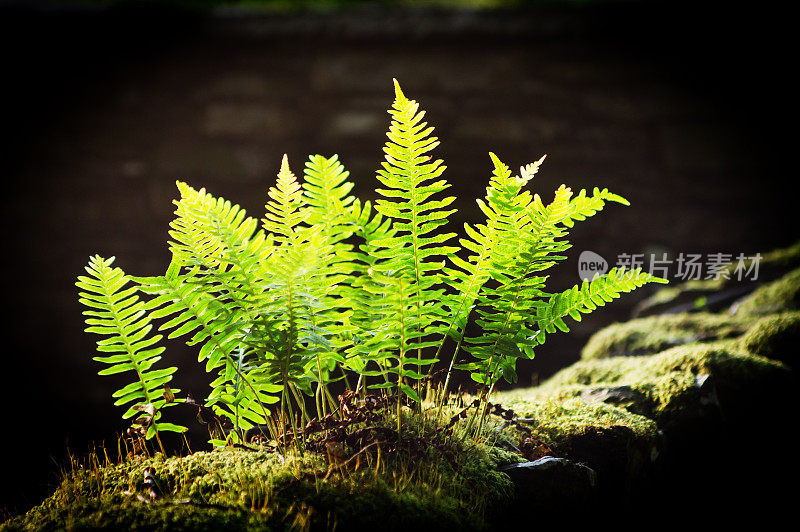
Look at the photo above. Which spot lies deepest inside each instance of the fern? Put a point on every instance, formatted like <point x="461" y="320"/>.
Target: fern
<point x="584" y="298"/>
<point x="326" y="193"/>
<point x="409" y="272"/>
<point x="366" y="307"/>
<point x="303" y="276"/>
<point x="325" y="285"/>
<point x="209" y="291"/>
<point x="526" y="237"/>
<point x="504" y="208"/>
<point x="194" y="312"/>
<point x="117" y="313"/>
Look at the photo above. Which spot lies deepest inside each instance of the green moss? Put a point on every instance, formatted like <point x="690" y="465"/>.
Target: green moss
<point x="556" y="421"/>
<point x="776" y="337"/>
<point x="619" y="445"/>
<point x="666" y="387"/>
<point x="777" y="296"/>
<point x="722" y="359"/>
<point x="244" y="490"/>
<point x="779" y="261"/>
<point x="656" y="333"/>
<point x="772" y="265"/>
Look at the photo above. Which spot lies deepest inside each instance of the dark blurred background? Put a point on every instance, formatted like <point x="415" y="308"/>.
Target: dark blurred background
<point x="685" y="108"/>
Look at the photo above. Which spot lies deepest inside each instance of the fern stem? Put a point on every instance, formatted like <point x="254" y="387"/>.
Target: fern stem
<point x="449" y="371"/>
<point x="298" y="396"/>
<point x="484" y="408"/>
<point x="344" y="377"/>
<point x="319" y="393"/>
<point x="293" y="423"/>
<point x="331" y="402"/>
<point x="400" y="360"/>
<point x="158" y="439"/>
<point x="282" y="416"/>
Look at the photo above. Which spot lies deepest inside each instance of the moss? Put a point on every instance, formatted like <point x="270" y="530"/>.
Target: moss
<point x="668" y="387"/>
<point x="721" y="359"/>
<point x="772" y="265"/>
<point x="244" y="490"/>
<point x="779" y="261"/>
<point x="776" y="337"/>
<point x="620" y="446"/>
<point x="777" y="296"/>
<point x="656" y="333"/>
<point x="556" y="422"/>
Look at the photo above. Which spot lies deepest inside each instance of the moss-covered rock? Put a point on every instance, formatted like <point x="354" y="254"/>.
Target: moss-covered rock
<point x="246" y="490"/>
<point x="776" y="337"/>
<point x="716" y="294"/>
<point x="686" y="383"/>
<point x="778" y="296"/>
<point x="653" y="334"/>
<point x="620" y="446"/>
<point x="691" y="406"/>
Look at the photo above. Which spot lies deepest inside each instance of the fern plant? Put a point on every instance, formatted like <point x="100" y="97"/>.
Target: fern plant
<point x="115" y="312"/>
<point x="328" y="288"/>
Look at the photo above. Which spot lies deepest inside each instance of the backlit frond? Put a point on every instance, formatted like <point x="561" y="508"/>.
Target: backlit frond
<point x="115" y="312"/>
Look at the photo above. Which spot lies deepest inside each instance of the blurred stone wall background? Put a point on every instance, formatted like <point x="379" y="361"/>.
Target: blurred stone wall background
<point x="678" y="109"/>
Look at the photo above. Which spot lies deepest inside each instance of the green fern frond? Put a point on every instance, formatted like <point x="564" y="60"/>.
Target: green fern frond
<point x="371" y="227"/>
<point x="368" y="226"/>
<point x="584" y="298"/>
<point x="116" y="312"/>
<point x="521" y="254"/>
<point x="415" y="250"/>
<point x="395" y="335"/>
<point x="326" y="190"/>
<point x="583" y="206"/>
<point x="220" y="243"/>
<point x="231" y="270"/>
<point x="504" y="208"/>
<point x="495" y="245"/>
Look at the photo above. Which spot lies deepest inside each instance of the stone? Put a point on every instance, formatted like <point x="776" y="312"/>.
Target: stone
<point x="612" y="395"/>
<point x="778" y="296"/>
<point x="653" y="334"/>
<point x="549" y="483"/>
<point x="718" y="294"/>
<point x="775" y="337"/>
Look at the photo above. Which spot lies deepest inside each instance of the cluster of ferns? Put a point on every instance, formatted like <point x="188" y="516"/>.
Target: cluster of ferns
<point x="326" y="286"/>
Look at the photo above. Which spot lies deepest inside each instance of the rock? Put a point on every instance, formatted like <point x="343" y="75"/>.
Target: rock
<point x="776" y="337"/>
<point x="717" y="294"/>
<point x="618" y="395"/>
<point x="614" y="442"/>
<point x="778" y="296"/>
<point x="647" y="336"/>
<point x="680" y="387"/>
<point x="550" y="483"/>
